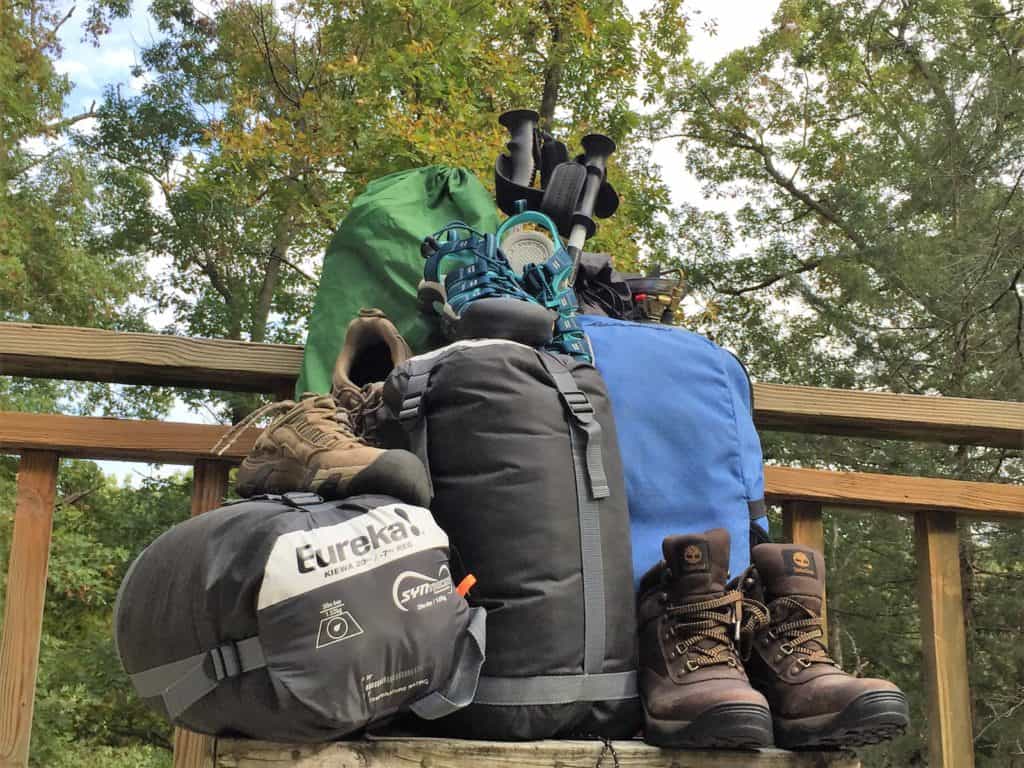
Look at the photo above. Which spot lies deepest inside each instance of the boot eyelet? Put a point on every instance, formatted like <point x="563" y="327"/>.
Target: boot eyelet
<point x="804" y="663"/>
<point x="771" y="635"/>
<point x="691" y="665"/>
<point x="786" y="649"/>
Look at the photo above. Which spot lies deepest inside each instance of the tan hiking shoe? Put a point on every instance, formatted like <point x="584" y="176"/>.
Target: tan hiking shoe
<point x="373" y="347"/>
<point x="311" y="447"/>
<point x="814" y="703"/>
<point x="694" y="690"/>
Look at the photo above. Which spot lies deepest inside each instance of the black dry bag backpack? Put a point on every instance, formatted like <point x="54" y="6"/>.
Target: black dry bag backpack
<point x="528" y="485"/>
<point x="289" y="618"/>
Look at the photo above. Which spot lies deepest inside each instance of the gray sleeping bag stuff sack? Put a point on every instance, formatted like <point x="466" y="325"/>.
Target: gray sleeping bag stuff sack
<point x="528" y="484"/>
<point x="293" y="619"/>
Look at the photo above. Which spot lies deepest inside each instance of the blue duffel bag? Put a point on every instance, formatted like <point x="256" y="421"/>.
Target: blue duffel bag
<point x="691" y="455"/>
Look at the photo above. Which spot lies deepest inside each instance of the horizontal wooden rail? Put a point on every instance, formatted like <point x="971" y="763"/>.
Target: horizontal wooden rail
<point x="89" y="354"/>
<point x="87" y="437"/>
<point x="894" y="493"/>
<point x="177" y="443"/>
<point x="46" y="351"/>
<point x="885" y="415"/>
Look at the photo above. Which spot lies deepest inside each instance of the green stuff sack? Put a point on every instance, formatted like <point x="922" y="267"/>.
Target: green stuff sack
<point x="374" y="259"/>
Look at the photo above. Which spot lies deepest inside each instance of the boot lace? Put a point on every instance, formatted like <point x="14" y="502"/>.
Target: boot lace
<point x="803" y="635"/>
<point x="284" y="410"/>
<point x="709" y="629"/>
<point x="360" y="403"/>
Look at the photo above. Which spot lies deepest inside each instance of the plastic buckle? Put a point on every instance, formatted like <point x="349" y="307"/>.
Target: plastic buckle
<point x="226" y="662"/>
<point x="579" y="403"/>
<point x="410" y="409"/>
<point x="301" y="498"/>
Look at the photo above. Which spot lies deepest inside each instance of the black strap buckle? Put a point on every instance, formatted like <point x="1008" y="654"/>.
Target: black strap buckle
<point x="579" y="403"/>
<point x="301" y="499"/>
<point x="226" y="662"/>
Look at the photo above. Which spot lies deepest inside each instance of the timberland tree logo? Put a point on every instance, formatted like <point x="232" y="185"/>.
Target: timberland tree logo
<point x="799" y="562"/>
<point x="695" y="557"/>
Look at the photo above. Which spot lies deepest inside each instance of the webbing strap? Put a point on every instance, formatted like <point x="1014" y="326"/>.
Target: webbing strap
<point x="591" y="486"/>
<point x="410" y="416"/>
<point x="592" y="561"/>
<point x="582" y="416"/>
<point x="556" y="689"/>
<point x="182" y="683"/>
<point x="461" y="687"/>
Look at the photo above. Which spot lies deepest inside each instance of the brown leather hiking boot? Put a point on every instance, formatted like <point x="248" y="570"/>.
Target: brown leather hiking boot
<point x="814" y="703"/>
<point x="373" y="347"/>
<point x="694" y="690"/>
<point x="311" y="447"/>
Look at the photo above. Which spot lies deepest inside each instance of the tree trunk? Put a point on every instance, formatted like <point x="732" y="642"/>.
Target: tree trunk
<point x="283" y="236"/>
<point x="553" y="70"/>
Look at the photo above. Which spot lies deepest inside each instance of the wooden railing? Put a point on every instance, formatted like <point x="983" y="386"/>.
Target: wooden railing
<point x="85" y="354"/>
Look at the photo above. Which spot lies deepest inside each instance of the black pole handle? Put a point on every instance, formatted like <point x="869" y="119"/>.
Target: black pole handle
<point x="597" y="148"/>
<point x="522" y="128"/>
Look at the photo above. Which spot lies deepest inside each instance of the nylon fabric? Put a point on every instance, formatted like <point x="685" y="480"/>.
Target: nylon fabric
<point x="556" y="689"/>
<point x="292" y="619"/>
<point x="464" y="680"/>
<point x="508" y="462"/>
<point x="374" y="259"/>
<point x="691" y="454"/>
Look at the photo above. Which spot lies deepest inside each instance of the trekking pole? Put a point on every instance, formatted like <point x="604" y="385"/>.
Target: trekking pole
<point x="522" y="128"/>
<point x="597" y="148"/>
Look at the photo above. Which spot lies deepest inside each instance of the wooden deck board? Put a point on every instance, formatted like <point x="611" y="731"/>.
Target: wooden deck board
<point x="51" y="351"/>
<point x="443" y="753"/>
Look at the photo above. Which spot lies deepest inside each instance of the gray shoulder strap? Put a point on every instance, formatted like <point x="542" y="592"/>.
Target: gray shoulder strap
<point x="182" y="683"/>
<point x="462" y="684"/>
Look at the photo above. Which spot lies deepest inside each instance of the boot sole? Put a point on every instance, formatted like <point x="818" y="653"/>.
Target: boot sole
<point x="496" y="318"/>
<point x="395" y="473"/>
<point x="871" y="718"/>
<point x="727" y="726"/>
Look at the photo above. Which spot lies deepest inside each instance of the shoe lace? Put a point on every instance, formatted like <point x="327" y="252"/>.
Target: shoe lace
<point x="283" y="410"/>
<point x="709" y="629"/>
<point x="502" y="276"/>
<point x="361" y="402"/>
<point x="803" y="635"/>
<point x="267" y="410"/>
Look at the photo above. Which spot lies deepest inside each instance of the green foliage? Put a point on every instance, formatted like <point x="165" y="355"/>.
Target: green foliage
<point x="875" y="149"/>
<point x="83" y="702"/>
<point x="862" y="230"/>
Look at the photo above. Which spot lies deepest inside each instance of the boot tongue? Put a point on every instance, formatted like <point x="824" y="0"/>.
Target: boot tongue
<point x="791" y="570"/>
<point x="699" y="564"/>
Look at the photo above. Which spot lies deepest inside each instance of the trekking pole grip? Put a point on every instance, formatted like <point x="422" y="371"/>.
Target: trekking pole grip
<point x="597" y="148"/>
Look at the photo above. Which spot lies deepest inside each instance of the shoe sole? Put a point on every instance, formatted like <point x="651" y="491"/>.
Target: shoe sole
<point x="871" y="718"/>
<point x="495" y="318"/>
<point x="726" y="726"/>
<point x="394" y="473"/>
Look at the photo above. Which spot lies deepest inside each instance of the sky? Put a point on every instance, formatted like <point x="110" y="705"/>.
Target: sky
<point x="92" y="70"/>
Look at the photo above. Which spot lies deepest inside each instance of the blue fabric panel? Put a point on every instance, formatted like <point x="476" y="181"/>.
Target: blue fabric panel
<point x="690" y="452"/>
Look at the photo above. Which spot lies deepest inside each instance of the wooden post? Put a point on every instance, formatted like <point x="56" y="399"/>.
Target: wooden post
<point x="209" y="486"/>
<point x="944" y="641"/>
<point x="802" y="524"/>
<point x="26" y="595"/>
